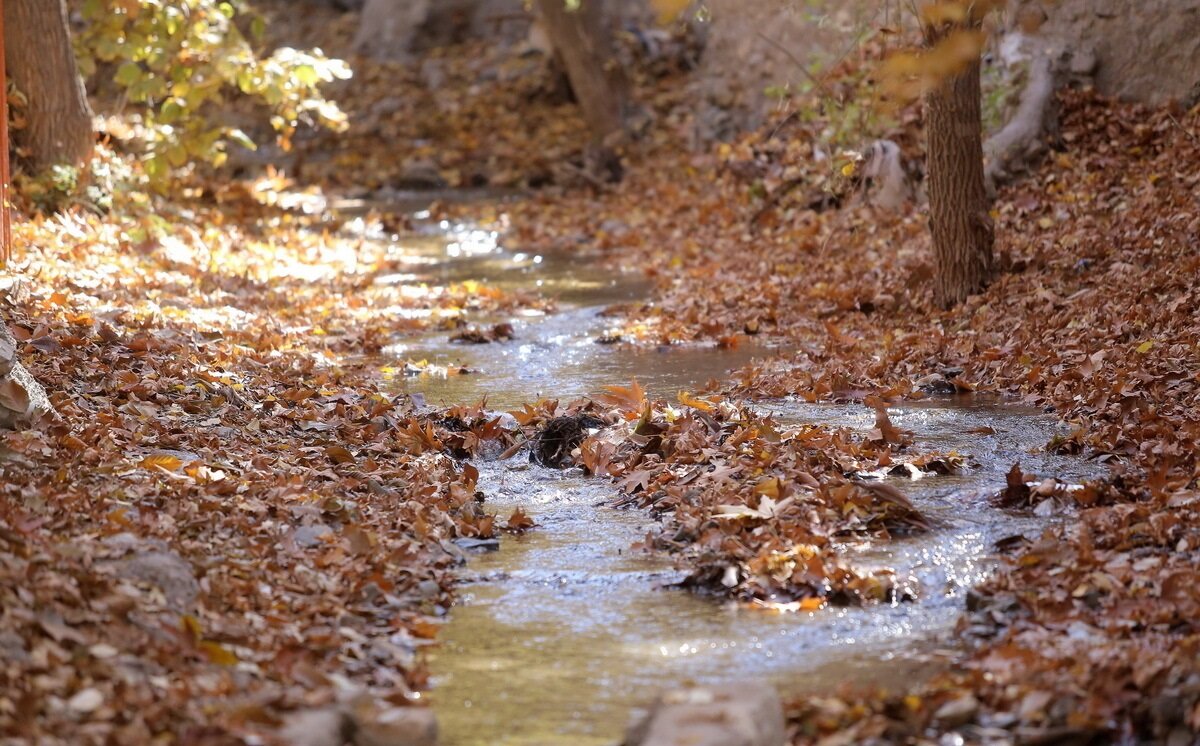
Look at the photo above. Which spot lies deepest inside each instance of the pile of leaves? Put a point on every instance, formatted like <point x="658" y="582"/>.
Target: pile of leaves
<point x="754" y="510"/>
<point x="230" y="519"/>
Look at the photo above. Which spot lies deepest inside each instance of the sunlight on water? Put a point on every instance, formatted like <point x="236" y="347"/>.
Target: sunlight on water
<point x="564" y="633"/>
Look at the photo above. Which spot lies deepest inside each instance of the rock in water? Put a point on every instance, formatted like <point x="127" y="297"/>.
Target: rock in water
<point x="734" y="714"/>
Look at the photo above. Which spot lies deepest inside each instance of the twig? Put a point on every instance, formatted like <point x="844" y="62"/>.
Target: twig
<point x="819" y="83"/>
<point x="1184" y="130"/>
<point x="783" y="122"/>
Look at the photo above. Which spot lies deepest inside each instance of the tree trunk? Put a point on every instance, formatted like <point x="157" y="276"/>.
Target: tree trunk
<point x="958" y="200"/>
<point x="583" y="40"/>
<point x="42" y="64"/>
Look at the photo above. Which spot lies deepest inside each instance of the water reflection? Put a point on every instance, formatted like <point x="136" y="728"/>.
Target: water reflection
<point x="564" y="632"/>
<point x="554" y="355"/>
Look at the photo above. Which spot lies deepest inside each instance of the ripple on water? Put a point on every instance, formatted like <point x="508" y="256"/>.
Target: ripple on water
<point x="579" y="633"/>
<point x="566" y="631"/>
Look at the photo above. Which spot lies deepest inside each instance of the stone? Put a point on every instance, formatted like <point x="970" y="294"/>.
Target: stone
<point x="23" y="400"/>
<point x="394" y="726"/>
<point x="327" y="726"/>
<point x="733" y="714"/>
<point x="469" y="544"/>
<point x="312" y="536"/>
<point x="420" y="173"/>
<point x="1141" y="50"/>
<point x="388" y="27"/>
<point x="8" y="350"/>
<point x="361" y="721"/>
<point x="395" y="29"/>
<point x="85" y="701"/>
<point x="166" y="571"/>
<point x="957" y="712"/>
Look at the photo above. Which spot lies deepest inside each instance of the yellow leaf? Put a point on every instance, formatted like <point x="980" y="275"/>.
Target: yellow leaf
<point x="217" y="653"/>
<point x="669" y="10"/>
<point x="1144" y="347"/>
<point x="191" y="626"/>
<point x="161" y="461"/>
<point x="688" y="400"/>
<point x="849" y="169"/>
<point x="936" y="14"/>
<point x="768" y="487"/>
<point x="812" y="604"/>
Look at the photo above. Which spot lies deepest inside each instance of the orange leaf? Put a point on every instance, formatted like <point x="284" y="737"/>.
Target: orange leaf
<point x="628" y="398"/>
<point x="768" y="487"/>
<point x="161" y="461"/>
<point x="339" y="455"/>
<point x="519" y="521"/>
<point x="14" y="396"/>
<point x="217" y="653"/>
<point x="688" y="400"/>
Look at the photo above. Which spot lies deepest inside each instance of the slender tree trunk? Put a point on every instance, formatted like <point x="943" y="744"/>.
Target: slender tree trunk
<point x="958" y="200"/>
<point x="582" y="38"/>
<point x="42" y="64"/>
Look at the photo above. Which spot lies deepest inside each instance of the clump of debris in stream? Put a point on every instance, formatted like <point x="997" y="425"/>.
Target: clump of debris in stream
<point x="559" y="437"/>
<point x="753" y="510"/>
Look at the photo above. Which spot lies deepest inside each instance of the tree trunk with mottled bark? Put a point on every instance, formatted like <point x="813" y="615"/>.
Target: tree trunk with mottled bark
<point x="583" y="40"/>
<point x="958" y="199"/>
<point x="42" y="64"/>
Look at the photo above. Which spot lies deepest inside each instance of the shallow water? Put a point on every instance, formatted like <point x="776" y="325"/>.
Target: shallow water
<point x="556" y="355"/>
<point x="563" y="634"/>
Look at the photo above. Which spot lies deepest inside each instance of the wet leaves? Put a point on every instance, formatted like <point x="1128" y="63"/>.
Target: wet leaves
<point x="309" y="521"/>
<point x="751" y="509"/>
<point x="1093" y="318"/>
<point x="226" y="502"/>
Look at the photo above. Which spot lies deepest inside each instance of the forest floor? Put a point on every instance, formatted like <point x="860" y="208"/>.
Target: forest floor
<point x="231" y="517"/>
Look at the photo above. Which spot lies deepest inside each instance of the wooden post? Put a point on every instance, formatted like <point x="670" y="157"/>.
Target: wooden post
<point x="5" y="225"/>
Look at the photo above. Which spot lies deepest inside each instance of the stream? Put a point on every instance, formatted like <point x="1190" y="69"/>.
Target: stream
<point x="564" y="634"/>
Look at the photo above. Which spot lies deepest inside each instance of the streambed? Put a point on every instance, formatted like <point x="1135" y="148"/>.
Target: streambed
<point x="563" y="634"/>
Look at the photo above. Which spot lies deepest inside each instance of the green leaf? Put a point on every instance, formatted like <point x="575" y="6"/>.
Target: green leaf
<point x="171" y="111"/>
<point x="306" y="75"/>
<point x="128" y="74"/>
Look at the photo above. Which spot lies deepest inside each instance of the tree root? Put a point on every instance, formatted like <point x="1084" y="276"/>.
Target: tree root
<point x="1025" y="137"/>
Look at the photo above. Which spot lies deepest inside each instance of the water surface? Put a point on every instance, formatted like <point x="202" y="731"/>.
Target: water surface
<point x="564" y="633"/>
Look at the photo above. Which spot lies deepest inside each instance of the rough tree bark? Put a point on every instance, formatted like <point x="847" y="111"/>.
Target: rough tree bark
<point x="958" y="198"/>
<point x="42" y="64"/>
<point x="581" y="37"/>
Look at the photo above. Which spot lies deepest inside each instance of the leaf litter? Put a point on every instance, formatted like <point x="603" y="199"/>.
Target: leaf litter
<point x="298" y="520"/>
